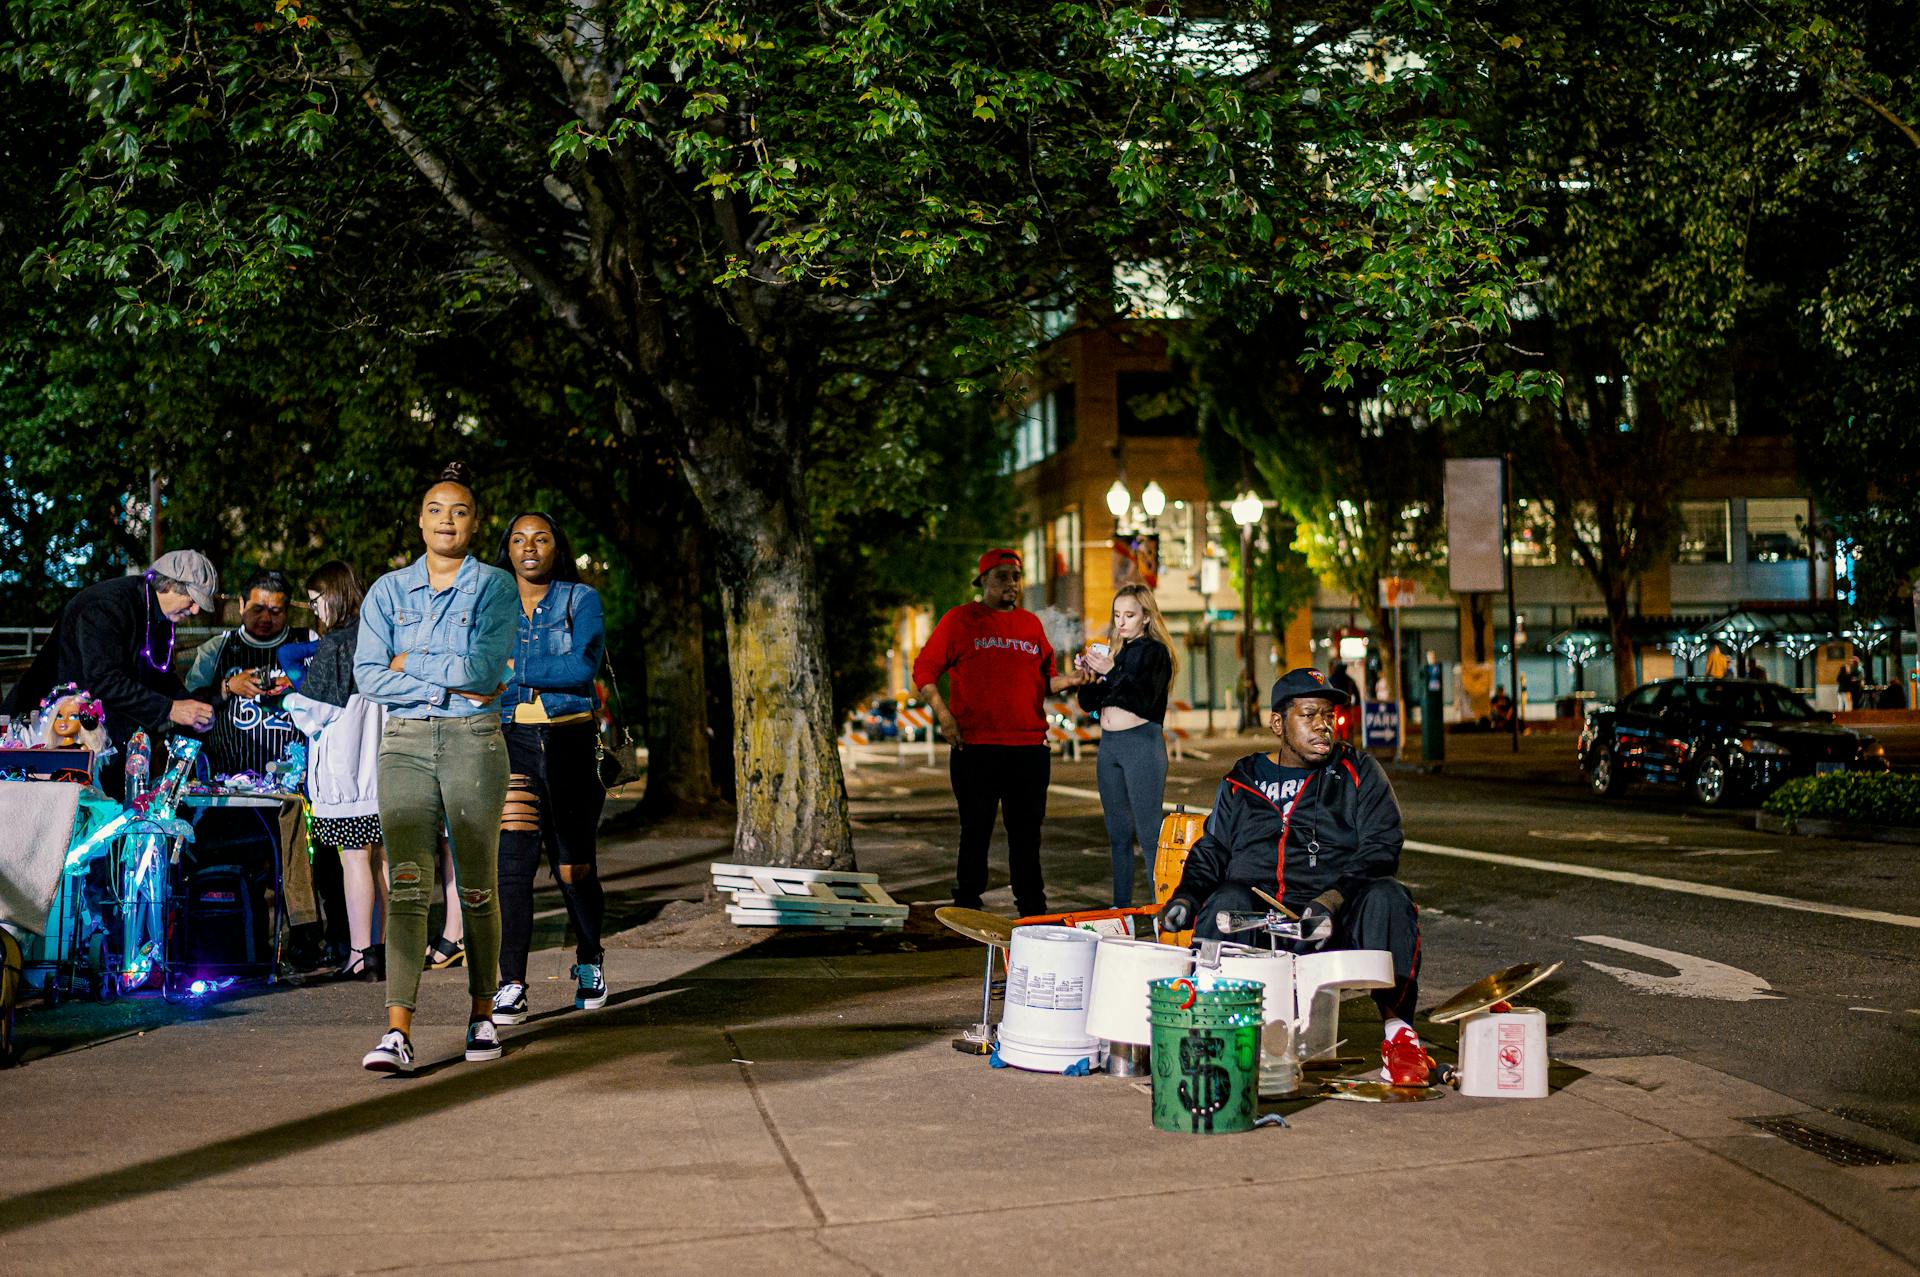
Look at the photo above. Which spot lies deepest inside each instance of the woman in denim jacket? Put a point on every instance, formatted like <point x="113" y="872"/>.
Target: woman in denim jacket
<point x="554" y="795"/>
<point x="433" y="647"/>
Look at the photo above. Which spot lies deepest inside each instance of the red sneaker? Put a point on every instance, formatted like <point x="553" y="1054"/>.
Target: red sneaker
<point x="1404" y="1061"/>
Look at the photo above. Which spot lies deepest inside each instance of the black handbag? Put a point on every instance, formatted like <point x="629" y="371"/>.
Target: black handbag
<point x="616" y="758"/>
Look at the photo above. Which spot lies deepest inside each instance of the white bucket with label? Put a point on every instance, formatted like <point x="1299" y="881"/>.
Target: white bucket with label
<point x="1049" y="983"/>
<point x="1121" y="971"/>
<point x="1503" y="1054"/>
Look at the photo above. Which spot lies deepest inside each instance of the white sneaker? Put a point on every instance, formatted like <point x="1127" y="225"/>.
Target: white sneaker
<point x="393" y="1055"/>
<point x="510" y="1003"/>
<point x="483" y="1042"/>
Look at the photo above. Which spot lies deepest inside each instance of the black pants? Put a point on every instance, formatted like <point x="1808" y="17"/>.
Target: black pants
<point x="1381" y="915"/>
<point x="1009" y="781"/>
<point x="553" y="771"/>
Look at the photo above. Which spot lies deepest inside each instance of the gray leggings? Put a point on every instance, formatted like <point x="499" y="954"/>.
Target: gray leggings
<point x="1132" y="772"/>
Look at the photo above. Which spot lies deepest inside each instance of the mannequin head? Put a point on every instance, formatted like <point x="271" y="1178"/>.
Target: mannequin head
<point x="71" y="718"/>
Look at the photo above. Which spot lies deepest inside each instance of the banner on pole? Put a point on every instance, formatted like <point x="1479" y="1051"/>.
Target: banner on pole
<point x="1475" y="506"/>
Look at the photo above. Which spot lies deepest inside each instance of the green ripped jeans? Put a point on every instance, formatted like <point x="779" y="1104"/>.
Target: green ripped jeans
<point x="437" y="772"/>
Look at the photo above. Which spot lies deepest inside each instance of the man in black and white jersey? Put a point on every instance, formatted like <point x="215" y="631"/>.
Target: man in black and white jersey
<point x="1314" y="822"/>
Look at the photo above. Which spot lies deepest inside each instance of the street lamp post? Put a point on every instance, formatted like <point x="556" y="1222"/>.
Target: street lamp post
<point x="1246" y="510"/>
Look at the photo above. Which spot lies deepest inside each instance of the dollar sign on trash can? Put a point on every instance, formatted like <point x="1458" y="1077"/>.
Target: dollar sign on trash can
<point x="1205" y="1088"/>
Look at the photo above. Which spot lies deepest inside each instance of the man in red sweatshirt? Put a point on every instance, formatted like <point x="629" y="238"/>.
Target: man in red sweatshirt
<point x="999" y="669"/>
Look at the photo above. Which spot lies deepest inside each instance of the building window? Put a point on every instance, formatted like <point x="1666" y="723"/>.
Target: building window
<point x="1033" y="554"/>
<point x="1776" y="530"/>
<point x="1045" y="427"/>
<point x="1703" y="533"/>
<point x="1066" y="544"/>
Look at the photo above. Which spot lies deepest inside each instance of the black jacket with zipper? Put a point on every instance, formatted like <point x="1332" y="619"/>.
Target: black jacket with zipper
<point x="1343" y="830"/>
<point x="97" y="642"/>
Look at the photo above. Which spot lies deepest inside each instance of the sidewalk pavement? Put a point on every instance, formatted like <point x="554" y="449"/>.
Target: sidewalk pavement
<point x="791" y="1102"/>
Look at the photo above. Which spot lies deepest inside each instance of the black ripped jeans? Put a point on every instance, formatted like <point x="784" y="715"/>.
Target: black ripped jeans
<point x="556" y="783"/>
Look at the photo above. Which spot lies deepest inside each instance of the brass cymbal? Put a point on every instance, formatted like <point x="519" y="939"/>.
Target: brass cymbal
<point x="1501" y="986"/>
<point x="1275" y="903"/>
<point x="977" y="924"/>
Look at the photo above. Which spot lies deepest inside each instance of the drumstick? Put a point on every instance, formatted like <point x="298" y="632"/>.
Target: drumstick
<point x="1276" y="904"/>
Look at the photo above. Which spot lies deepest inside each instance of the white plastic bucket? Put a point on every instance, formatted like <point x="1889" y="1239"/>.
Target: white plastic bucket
<point x="1049" y="980"/>
<point x="1279" y="1067"/>
<point x="1503" y="1054"/>
<point x="1121" y="970"/>
<point x="1318" y="980"/>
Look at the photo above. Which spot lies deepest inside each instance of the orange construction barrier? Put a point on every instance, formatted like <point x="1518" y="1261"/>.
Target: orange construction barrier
<point x="1178" y="832"/>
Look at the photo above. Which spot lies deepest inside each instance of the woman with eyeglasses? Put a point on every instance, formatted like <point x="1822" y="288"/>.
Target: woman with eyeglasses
<point x="343" y="761"/>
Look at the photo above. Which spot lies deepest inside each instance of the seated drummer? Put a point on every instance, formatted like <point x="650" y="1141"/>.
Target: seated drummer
<point x="1314" y="822"/>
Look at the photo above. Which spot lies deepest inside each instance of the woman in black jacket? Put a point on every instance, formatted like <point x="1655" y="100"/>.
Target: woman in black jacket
<point x="1129" y="692"/>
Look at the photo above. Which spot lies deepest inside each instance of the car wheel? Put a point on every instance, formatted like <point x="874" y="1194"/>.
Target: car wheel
<point x="1603" y="774"/>
<point x="1712" y="782"/>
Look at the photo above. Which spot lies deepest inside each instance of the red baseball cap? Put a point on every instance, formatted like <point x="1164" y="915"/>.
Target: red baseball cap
<point x="993" y="559"/>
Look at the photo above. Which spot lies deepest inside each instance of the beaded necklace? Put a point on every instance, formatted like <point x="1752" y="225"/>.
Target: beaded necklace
<point x="173" y="633"/>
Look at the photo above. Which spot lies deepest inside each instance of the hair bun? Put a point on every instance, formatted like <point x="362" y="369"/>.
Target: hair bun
<point x="457" y="472"/>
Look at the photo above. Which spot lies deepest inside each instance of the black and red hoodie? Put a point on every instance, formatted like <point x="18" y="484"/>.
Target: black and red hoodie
<point x="1343" y="828"/>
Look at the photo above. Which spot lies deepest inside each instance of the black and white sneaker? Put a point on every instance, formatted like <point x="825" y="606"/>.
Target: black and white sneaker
<point x="393" y="1055"/>
<point x="592" y="993"/>
<point x="510" y="1003"/>
<point x="483" y="1042"/>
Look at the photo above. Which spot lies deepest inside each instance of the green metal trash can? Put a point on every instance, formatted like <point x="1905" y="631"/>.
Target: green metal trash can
<point x="1206" y="1054"/>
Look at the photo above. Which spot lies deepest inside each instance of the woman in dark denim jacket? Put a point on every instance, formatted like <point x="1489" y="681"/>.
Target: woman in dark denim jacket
<point x="553" y="795"/>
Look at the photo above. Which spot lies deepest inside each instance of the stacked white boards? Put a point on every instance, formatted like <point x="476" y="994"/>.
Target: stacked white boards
<point x="770" y="896"/>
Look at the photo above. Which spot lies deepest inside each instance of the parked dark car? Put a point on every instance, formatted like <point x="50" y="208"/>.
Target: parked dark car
<point x="1724" y="739"/>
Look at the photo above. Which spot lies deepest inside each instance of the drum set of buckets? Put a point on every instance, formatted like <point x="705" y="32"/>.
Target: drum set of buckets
<point x="1081" y="995"/>
<point x="1077" y="1000"/>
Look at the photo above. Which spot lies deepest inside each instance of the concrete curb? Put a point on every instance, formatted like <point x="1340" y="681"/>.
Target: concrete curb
<point x="1768" y="823"/>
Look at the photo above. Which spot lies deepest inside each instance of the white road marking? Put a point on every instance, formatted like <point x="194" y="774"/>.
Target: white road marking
<point x="1595" y="835"/>
<point x="1732" y="851"/>
<point x="1696" y="977"/>
<point x="1872" y="1010"/>
<point x="1668" y="884"/>
<point x="1072" y="791"/>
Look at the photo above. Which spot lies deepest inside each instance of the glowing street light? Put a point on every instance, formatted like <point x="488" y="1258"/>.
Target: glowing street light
<point x="1153" y="500"/>
<point x="1119" y="500"/>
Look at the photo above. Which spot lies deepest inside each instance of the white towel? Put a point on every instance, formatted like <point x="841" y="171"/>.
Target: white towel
<point x="36" y="825"/>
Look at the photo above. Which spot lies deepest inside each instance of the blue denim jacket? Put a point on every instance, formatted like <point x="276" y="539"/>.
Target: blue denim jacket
<point x="557" y="652"/>
<point x="456" y="638"/>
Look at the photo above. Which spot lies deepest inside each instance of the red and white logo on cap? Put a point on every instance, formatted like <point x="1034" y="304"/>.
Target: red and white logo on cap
<point x="1317" y="676"/>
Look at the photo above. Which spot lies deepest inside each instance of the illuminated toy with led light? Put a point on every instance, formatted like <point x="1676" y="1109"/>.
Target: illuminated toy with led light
<point x="144" y="833"/>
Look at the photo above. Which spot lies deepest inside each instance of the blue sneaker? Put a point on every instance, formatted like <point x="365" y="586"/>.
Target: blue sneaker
<point x="592" y="993"/>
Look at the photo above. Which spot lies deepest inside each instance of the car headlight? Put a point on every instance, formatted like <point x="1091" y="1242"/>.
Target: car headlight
<point x="1765" y="747"/>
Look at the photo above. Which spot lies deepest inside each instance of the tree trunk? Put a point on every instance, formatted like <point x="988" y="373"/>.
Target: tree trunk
<point x="1619" y="628"/>
<point x="1380" y="619"/>
<point x="679" y="769"/>
<point x="791" y="796"/>
<point x="788" y="788"/>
